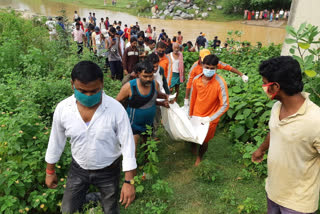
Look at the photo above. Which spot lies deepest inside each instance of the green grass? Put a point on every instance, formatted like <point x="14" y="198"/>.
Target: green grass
<point x="195" y="195"/>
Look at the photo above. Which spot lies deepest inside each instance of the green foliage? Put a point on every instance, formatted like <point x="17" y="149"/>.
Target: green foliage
<point x="207" y="172"/>
<point x="143" y="6"/>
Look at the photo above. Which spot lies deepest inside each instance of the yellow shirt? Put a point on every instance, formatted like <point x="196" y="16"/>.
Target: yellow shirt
<point x="293" y="159"/>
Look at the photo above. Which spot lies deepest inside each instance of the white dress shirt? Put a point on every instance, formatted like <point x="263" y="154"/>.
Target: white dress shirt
<point x="97" y="145"/>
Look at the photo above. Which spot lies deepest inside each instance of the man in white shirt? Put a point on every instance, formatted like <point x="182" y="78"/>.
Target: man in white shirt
<point x="51" y="25"/>
<point x="99" y="131"/>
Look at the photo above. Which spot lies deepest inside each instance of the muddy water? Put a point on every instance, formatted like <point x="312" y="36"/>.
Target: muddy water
<point x="190" y="29"/>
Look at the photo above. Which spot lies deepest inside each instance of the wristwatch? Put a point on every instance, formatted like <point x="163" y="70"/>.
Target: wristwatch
<point x="129" y="182"/>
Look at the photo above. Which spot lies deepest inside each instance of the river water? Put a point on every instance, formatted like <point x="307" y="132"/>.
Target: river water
<point x="190" y="28"/>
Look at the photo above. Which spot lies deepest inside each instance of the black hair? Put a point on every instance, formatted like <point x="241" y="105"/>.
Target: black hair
<point x="75" y="11"/>
<point x="126" y="25"/>
<point x="141" y="34"/>
<point x="190" y="43"/>
<point x="79" y="19"/>
<point x="153" y="58"/>
<point x="102" y="18"/>
<point x="118" y="27"/>
<point x="145" y="66"/>
<point x="91" y="26"/>
<point x="133" y="39"/>
<point x="77" y="24"/>
<point x="112" y="30"/>
<point x="151" y="41"/>
<point x="162" y="30"/>
<point x="84" y="19"/>
<point x="284" y="70"/>
<point x="93" y="13"/>
<point x="161" y="45"/>
<point x="211" y="60"/>
<point x="146" y="39"/>
<point x="174" y="39"/>
<point x="86" y="71"/>
<point x="179" y="32"/>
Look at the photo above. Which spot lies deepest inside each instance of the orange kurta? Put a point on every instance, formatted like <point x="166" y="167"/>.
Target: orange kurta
<point x="211" y="100"/>
<point x="164" y="63"/>
<point x="196" y="69"/>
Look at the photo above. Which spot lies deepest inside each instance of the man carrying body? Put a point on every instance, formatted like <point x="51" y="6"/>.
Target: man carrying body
<point x="142" y="93"/>
<point x="197" y="69"/>
<point x="293" y="143"/>
<point x="209" y="99"/>
<point x="99" y="132"/>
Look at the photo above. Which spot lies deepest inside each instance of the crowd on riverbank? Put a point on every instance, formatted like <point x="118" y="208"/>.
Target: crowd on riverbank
<point x="266" y="15"/>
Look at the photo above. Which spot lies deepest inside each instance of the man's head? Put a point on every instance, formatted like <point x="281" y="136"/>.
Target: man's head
<point x="91" y="27"/>
<point x="89" y="13"/>
<point x="203" y="53"/>
<point x="281" y="76"/>
<point x="125" y="25"/>
<point x="161" y="47"/>
<point x="176" y="48"/>
<point x="189" y="44"/>
<point x="107" y="18"/>
<point x="102" y="19"/>
<point x="154" y="59"/>
<point x="96" y="29"/>
<point x="84" y="19"/>
<point x="162" y="30"/>
<point x="140" y="38"/>
<point x="78" y="26"/>
<point x="118" y="28"/>
<point x="210" y="64"/>
<point x="133" y="42"/>
<point x="75" y="11"/>
<point x="179" y="33"/>
<point x="149" y="26"/>
<point x="154" y="28"/>
<point x="136" y="23"/>
<point x="152" y="44"/>
<point x="112" y="32"/>
<point x="94" y="14"/>
<point x="87" y="83"/>
<point x="145" y="73"/>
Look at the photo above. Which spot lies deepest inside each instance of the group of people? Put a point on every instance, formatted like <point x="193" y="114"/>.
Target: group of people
<point x="102" y="129"/>
<point x="266" y="15"/>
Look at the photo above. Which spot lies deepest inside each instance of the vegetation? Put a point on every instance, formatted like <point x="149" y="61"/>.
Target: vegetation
<point x="35" y="76"/>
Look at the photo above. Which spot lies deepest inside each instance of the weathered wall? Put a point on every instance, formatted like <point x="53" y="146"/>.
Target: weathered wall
<point x="302" y="11"/>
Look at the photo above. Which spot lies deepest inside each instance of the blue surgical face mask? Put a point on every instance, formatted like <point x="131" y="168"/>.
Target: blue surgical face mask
<point x="208" y="72"/>
<point x="86" y="100"/>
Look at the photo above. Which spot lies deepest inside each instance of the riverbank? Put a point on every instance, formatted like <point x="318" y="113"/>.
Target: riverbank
<point x="209" y="13"/>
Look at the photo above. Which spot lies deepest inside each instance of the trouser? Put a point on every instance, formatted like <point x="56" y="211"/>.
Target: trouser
<point x="80" y="47"/>
<point x="79" y="180"/>
<point x="116" y="70"/>
<point x="274" y="208"/>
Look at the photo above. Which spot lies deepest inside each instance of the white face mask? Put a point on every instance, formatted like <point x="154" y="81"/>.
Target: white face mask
<point x="208" y="72"/>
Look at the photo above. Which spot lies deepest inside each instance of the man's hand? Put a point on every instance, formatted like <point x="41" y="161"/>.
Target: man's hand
<point x="245" y="78"/>
<point x="125" y="72"/>
<point x="166" y="104"/>
<point x="257" y="156"/>
<point x="127" y="195"/>
<point x="51" y="181"/>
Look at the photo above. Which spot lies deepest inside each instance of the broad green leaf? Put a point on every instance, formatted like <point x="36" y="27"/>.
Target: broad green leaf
<point x="310" y="73"/>
<point x="291" y="50"/>
<point x="239" y="131"/>
<point x="290" y="41"/>
<point x="304" y="45"/>
<point x="290" y="30"/>
<point x="300" y="61"/>
<point x="139" y="188"/>
<point x="308" y="60"/>
<point x="302" y="27"/>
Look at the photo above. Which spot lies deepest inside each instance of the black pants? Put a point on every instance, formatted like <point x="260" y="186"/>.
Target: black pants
<point x="80" y="47"/>
<point x="78" y="181"/>
<point x="116" y="70"/>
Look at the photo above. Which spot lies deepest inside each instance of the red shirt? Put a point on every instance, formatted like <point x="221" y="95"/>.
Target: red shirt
<point x="126" y="33"/>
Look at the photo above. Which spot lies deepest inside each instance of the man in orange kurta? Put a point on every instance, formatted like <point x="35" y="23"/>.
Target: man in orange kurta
<point x="197" y="67"/>
<point x="209" y="99"/>
<point x="164" y="61"/>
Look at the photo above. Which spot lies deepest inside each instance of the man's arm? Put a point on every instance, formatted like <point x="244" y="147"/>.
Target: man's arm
<point x="223" y="98"/>
<point x="124" y="92"/>
<point x="124" y="61"/>
<point x="129" y="164"/>
<point x="57" y="142"/>
<point x="257" y="156"/>
<point x="227" y="67"/>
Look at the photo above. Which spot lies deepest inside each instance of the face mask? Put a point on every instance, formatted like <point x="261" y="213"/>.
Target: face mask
<point x="208" y="72"/>
<point x="265" y="88"/>
<point x="86" y="100"/>
<point x="140" y="42"/>
<point x="161" y="54"/>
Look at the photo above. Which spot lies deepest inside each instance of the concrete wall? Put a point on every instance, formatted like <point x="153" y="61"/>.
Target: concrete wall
<point x="302" y="11"/>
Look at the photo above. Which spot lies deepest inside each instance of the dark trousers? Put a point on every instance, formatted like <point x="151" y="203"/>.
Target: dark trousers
<point x="80" y="47"/>
<point x="116" y="70"/>
<point x="78" y="181"/>
<point x="274" y="208"/>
